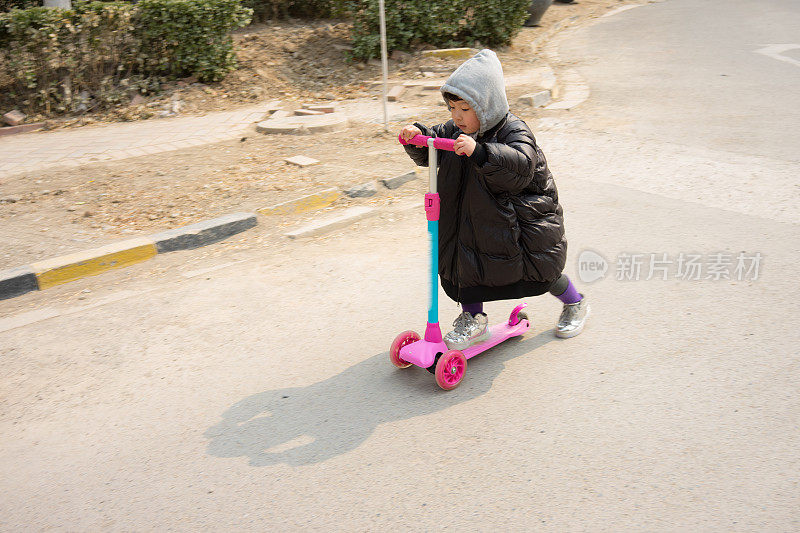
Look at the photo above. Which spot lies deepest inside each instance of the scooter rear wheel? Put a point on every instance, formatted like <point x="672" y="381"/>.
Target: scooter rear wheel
<point x="404" y="339"/>
<point x="450" y="369"/>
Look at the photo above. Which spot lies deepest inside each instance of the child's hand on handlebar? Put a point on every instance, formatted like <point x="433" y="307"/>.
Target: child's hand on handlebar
<point x="409" y="132"/>
<point x="464" y="145"/>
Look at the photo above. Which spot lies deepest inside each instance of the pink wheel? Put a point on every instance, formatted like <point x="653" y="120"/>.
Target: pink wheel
<point x="450" y="369"/>
<point x="404" y="339"/>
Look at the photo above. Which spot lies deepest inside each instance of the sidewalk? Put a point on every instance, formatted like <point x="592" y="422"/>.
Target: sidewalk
<point x="64" y="191"/>
<point x="71" y="148"/>
<point x="68" y="190"/>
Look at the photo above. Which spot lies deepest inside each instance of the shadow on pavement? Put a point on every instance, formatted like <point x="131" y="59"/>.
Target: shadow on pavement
<point x="306" y="425"/>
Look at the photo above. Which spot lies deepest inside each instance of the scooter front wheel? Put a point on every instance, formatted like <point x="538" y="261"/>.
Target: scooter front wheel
<point x="450" y="369"/>
<point x="404" y="339"/>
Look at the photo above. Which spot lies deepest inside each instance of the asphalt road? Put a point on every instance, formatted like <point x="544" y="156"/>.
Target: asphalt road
<point x="719" y="75"/>
<point x="248" y="387"/>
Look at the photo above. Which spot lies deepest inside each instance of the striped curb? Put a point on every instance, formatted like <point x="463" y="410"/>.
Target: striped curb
<point x="17" y="281"/>
<point x="203" y="233"/>
<point x="397" y="181"/>
<point x="304" y="204"/>
<point x="63" y="269"/>
<point x="451" y="53"/>
<point x="66" y="268"/>
<point x="363" y="190"/>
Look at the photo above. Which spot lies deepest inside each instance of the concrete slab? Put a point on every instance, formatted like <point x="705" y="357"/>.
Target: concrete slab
<point x="334" y="222"/>
<point x="301" y="161"/>
<point x="300" y="124"/>
<point x="538" y="99"/>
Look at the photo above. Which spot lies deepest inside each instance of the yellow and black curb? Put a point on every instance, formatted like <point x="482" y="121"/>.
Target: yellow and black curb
<point x="311" y="202"/>
<point x="51" y="272"/>
<point x="59" y="270"/>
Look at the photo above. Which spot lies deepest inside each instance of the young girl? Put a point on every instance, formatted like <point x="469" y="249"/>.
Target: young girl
<point x="501" y="228"/>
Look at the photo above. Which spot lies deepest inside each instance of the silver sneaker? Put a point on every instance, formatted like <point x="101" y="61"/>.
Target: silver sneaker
<point x="468" y="331"/>
<point x="572" y="319"/>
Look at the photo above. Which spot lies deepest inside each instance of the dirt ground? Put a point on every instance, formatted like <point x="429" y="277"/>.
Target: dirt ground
<point x="298" y="60"/>
<point x="59" y="211"/>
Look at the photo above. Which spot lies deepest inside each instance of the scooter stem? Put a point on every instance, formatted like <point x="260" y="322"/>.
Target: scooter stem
<point x="433" y="332"/>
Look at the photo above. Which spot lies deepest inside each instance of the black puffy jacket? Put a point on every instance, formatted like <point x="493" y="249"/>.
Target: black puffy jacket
<point x="501" y="229"/>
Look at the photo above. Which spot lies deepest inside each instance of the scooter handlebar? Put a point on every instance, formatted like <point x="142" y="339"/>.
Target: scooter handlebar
<point x="440" y="143"/>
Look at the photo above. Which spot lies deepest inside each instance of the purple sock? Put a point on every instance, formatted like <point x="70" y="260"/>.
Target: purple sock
<point x="473" y="309"/>
<point x="571" y="295"/>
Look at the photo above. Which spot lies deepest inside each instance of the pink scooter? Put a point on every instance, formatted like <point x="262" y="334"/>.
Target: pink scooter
<point x="448" y="366"/>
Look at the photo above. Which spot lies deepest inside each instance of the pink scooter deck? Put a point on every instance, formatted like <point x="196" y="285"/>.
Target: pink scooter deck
<point x="423" y="353"/>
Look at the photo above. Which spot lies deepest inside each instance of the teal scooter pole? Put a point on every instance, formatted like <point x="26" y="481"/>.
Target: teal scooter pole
<point x="433" y="332"/>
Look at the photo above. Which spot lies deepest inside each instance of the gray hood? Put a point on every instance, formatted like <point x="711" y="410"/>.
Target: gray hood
<point x="479" y="82"/>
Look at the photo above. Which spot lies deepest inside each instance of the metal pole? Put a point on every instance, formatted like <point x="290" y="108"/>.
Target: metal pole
<point x="385" y="62"/>
<point x="433" y="232"/>
<point x="433" y="166"/>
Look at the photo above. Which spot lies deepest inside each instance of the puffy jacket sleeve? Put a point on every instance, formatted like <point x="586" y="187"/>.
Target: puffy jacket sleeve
<point x="510" y="164"/>
<point x="420" y="153"/>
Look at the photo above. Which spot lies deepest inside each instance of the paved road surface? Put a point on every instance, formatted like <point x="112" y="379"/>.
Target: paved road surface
<point x="715" y="75"/>
<point x="248" y="387"/>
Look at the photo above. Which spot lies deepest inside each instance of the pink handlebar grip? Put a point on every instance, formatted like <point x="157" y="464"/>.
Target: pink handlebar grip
<point x="440" y="143"/>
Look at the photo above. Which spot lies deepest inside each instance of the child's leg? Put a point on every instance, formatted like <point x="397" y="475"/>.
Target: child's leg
<point x="564" y="290"/>
<point x="576" y="308"/>
<point x="473" y="309"/>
